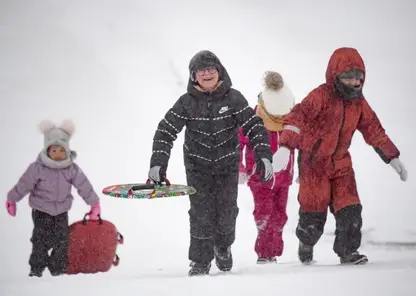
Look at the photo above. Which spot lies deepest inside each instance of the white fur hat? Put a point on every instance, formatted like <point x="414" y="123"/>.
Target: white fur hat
<point x="277" y="98"/>
<point x="57" y="135"/>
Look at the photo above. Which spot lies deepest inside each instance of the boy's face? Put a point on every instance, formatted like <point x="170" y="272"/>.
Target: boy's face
<point x="57" y="153"/>
<point x="207" y="78"/>
<point x="353" y="78"/>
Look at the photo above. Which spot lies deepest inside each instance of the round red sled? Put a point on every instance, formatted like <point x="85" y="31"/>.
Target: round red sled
<point x="92" y="246"/>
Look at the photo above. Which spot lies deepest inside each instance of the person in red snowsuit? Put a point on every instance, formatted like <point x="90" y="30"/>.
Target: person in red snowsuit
<point x="270" y="198"/>
<point x="321" y="127"/>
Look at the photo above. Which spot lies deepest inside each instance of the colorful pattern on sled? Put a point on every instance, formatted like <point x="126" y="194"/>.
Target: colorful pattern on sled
<point x="158" y="191"/>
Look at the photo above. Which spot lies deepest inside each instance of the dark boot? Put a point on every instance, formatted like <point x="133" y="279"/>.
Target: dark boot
<point x="199" y="269"/>
<point x="266" y="260"/>
<point x="354" y="259"/>
<point x="309" y="230"/>
<point x="223" y="258"/>
<point x="348" y="233"/>
<point x="305" y="253"/>
<point x="36" y="273"/>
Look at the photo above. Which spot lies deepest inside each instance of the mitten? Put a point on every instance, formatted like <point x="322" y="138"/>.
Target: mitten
<point x="398" y="166"/>
<point x="11" y="208"/>
<point x="95" y="212"/>
<point x="281" y="159"/>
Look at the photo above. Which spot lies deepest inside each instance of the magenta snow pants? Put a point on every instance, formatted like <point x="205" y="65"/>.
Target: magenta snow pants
<point x="270" y="217"/>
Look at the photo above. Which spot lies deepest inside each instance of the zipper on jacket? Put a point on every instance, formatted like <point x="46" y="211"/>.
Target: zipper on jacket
<point x="315" y="149"/>
<point x="209" y="100"/>
<point x="56" y="200"/>
<point x="339" y="134"/>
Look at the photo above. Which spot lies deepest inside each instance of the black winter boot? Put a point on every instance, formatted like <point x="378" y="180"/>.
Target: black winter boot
<point x="199" y="269"/>
<point x="36" y="273"/>
<point x="305" y="253"/>
<point x="266" y="260"/>
<point x="223" y="258"/>
<point x="57" y="273"/>
<point x="354" y="259"/>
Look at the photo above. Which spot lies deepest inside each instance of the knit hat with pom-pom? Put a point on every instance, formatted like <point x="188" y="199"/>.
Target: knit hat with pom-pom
<point x="57" y="135"/>
<point x="276" y="97"/>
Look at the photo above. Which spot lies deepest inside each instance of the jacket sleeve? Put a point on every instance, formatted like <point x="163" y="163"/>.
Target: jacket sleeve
<point x="374" y="134"/>
<point x="299" y="116"/>
<point x="252" y="127"/>
<point x="243" y="143"/>
<point x="26" y="183"/>
<point x="84" y="187"/>
<point x="166" y="133"/>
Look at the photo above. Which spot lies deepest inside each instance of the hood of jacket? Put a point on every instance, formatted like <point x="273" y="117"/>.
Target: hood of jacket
<point x="343" y="59"/>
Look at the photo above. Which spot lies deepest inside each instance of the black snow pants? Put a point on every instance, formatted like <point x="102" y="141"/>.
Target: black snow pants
<point x="213" y="212"/>
<point x="347" y="233"/>
<point x="49" y="232"/>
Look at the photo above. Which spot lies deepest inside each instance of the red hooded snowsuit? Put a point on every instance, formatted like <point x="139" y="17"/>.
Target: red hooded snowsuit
<point x="321" y="128"/>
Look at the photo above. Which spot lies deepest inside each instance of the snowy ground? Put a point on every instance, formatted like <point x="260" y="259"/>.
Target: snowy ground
<point x="154" y="262"/>
<point x="116" y="67"/>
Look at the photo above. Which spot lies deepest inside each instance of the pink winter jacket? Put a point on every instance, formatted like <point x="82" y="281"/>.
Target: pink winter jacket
<point x="281" y="179"/>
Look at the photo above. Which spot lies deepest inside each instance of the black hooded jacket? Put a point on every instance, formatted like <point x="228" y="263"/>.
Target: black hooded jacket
<point x="211" y="135"/>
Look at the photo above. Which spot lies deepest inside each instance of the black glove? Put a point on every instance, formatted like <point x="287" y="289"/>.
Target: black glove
<point x="265" y="169"/>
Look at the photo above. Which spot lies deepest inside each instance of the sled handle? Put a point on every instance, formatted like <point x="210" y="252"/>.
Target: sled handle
<point x="84" y="220"/>
<point x="149" y="185"/>
<point x="116" y="261"/>
<point x="120" y="238"/>
<point x="143" y="186"/>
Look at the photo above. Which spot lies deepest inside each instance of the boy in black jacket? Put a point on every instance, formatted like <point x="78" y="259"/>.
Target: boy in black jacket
<point x="212" y="112"/>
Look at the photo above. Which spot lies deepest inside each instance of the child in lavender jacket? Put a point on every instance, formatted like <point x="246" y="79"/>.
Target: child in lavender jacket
<point x="49" y="181"/>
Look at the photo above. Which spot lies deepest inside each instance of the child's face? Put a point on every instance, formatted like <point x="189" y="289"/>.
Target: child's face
<point x="56" y="153"/>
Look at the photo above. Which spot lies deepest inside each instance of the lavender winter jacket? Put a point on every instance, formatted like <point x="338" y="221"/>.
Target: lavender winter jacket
<point x="50" y="188"/>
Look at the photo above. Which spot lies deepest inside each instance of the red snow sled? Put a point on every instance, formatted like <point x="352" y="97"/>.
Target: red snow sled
<point x="92" y="246"/>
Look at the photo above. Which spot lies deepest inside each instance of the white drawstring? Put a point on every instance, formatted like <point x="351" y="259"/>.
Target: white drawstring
<point x="274" y="181"/>
<point x="252" y="171"/>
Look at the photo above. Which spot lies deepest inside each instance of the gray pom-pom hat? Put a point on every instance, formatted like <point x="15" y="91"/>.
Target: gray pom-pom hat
<point x="57" y="135"/>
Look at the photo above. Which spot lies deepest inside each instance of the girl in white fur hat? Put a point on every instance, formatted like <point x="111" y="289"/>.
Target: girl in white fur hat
<point x="270" y="199"/>
<point x="48" y="181"/>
